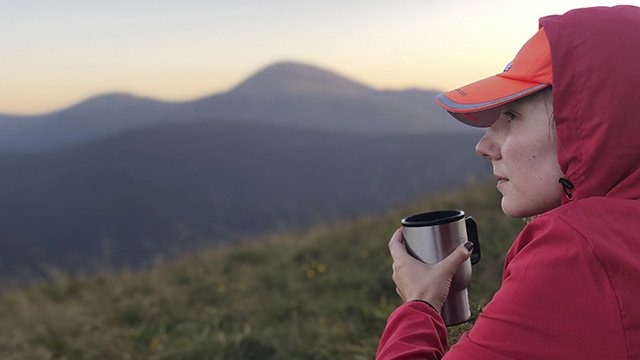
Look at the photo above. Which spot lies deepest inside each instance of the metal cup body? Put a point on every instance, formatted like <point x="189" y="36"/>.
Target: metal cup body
<point x="430" y="237"/>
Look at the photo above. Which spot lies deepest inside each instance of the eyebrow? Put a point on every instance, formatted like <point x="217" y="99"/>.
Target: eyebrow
<point x="511" y="107"/>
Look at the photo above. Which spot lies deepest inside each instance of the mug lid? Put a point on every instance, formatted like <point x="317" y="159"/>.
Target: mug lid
<point x="433" y="218"/>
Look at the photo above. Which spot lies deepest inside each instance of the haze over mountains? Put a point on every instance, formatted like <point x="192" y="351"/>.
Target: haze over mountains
<point x="118" y="180"/>
<point x="285" y="93"/>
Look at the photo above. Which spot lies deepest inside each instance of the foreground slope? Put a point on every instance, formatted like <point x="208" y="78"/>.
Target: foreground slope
<point x="318" y="294"/>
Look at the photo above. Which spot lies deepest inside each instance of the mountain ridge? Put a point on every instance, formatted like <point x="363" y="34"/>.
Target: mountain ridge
<point x="147" y="192"/>
<point x="284" y="93"/>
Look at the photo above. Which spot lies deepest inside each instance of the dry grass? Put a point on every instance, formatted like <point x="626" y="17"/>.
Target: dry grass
<point x="320" y="294"/>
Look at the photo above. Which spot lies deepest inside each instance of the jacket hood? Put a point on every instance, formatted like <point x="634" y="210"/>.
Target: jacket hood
<point x="595" y="54"/>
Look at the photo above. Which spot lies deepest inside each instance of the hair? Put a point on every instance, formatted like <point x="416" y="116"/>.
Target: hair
<point x="547" y="94"/>
<point x="547" y="97"/>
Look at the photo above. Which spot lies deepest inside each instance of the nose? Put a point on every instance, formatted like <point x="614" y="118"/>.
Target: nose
<point x="487" y="147"/>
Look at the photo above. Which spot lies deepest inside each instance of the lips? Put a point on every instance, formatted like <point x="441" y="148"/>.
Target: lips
<point x="501" y="179"/>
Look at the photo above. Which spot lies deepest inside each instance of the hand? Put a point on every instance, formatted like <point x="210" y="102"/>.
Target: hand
<point x="416" y="280"/>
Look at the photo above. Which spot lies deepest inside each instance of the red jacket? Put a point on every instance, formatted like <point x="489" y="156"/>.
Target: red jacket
<point x="571" y="283"/>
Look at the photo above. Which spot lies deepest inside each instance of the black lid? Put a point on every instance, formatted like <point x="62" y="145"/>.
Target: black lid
<point x="433" y="218"/>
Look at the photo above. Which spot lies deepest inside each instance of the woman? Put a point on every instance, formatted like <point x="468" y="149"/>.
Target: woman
<point x="570" y="157"/>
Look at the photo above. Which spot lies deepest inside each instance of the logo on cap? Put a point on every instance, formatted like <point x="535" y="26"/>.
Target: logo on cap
<point x="508" y="67"/>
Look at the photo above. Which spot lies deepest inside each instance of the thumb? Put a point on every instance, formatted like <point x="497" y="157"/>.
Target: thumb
<point x="452" y="262"/>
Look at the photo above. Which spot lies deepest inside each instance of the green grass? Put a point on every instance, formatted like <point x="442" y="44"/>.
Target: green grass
<point x="319" y="294"/>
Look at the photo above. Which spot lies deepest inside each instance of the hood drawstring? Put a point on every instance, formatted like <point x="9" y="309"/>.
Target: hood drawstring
<point x="567" y="186"/>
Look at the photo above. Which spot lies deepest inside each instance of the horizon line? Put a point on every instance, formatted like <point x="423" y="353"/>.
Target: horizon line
<point x="133" y="94"/>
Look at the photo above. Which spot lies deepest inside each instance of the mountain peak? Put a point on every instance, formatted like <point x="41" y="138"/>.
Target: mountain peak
<point x="292" y="78"/>
<point x="111" y="97"/>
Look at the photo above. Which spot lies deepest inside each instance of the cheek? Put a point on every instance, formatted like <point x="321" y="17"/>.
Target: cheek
<point x="540" y="176"/>
<point x="532" y="161"/>
<point x="519" y="161"/>
<point x="534" y="179"/>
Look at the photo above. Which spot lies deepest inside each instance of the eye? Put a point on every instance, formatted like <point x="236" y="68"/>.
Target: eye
<point x="510" y="115"/>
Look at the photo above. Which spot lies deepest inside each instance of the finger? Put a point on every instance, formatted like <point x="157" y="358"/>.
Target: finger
<point x="400" y="294"/>
<point x="396" y="244"/>
<point x="452" y="262"/>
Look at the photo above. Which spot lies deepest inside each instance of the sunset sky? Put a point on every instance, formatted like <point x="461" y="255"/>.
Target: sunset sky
<point x="56" y="53"/>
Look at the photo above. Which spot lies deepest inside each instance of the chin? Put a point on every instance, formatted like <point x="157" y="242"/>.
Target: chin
<point x="515" y="211"/>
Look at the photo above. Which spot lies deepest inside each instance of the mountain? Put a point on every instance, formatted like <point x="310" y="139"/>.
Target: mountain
<point x="305" y="96"/>
<point x="124" y="199"/>
<point x="117" y="179"/>
<point x="90" y="119"/>
<point x="293" y="79"/>
<point x="289" y="94"/>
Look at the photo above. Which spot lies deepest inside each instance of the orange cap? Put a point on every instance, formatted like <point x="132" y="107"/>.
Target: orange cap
<point x="478" y="104"/>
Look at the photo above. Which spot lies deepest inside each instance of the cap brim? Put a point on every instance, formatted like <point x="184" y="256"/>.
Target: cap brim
<point x="478" y="104"/>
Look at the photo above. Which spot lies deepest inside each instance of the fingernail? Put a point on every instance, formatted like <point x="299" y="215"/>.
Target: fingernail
<point x="469" y="246"/>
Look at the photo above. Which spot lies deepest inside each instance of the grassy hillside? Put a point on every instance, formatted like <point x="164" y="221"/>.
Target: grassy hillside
<point x="320" y="294"/>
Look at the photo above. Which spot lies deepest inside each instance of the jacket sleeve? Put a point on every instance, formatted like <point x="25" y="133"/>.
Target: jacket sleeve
<point x="555" y="302"/>
<point x="414" y="331"/>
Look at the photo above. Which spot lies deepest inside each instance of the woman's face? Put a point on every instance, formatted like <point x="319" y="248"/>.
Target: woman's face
<point x="521" y="145"/>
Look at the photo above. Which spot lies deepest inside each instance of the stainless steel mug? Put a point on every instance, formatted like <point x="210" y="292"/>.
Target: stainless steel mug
<point x="432" y="236"/>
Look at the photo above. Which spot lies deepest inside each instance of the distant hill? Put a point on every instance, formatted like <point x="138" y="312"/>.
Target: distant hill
<point x="121" y="200"/>
<point x="93" y="118"/>
<point x="286" y="93"/>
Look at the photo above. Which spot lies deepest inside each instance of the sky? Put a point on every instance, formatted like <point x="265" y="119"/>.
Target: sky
<point x="57" y="53"/>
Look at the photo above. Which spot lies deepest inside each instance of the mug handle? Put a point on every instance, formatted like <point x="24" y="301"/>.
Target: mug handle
<point x="472" y="235"/>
